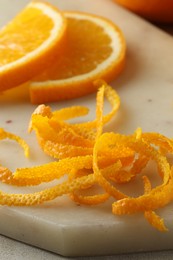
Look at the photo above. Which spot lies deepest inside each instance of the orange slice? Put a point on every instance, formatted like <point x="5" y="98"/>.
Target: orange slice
<point x="28" y="44"/>
<point x="95" y="48"/>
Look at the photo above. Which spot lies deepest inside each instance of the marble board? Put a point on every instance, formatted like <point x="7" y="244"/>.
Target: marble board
<point x="146" y="91"/>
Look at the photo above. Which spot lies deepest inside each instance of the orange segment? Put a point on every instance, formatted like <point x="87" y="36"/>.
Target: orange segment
<point x="29" y="43"/>
<point x="95" y="48"/>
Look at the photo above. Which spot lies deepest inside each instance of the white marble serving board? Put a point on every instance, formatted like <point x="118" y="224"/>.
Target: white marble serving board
<point x="146" y="91"/>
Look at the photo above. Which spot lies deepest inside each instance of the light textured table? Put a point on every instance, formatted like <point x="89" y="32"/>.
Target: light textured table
<point x="14" y="250"/>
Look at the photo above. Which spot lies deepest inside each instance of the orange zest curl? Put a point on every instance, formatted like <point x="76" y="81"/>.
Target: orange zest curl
<point x="6" y="135"/>
<point x="93" y="164"/>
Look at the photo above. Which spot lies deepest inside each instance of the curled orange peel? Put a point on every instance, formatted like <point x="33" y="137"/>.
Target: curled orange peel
<point x="53" y="170"/>
<point x="92" y="163"/>
<point x="7" y="135"/>
<point x="150" y="215"/>
<point x="158" y="196"/>
<point x="99" y="176"/>
<point x="47" y="194"/>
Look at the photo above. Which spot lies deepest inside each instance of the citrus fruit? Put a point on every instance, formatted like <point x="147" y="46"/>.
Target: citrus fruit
<point x="29" y="42"/>
<point x="154" y="10"/>
<point x="94" y="48"/>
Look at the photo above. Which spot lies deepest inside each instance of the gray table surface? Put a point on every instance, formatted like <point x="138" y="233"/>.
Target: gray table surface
<point x="14" y="250"/>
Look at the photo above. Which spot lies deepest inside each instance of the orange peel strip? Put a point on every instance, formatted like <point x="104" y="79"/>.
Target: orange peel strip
<point x="86" y="199"/>
<point x="52" y="170"/>
<point x="70" y="113"/>
<point x="159" y="140"/>
<point x="113" y="191"/>
<point x="98" y="198"/>
<point x="100" y="178"/>
<point x="61" y="151"/>
<point x="155" y="220"/>
<point x="67" y="135"/>
<point x="7" y="135"/>
<point x="61" y="114"/>
<point x="150" y="152"/>
<point x="84" y="129"/>
<point x="57" y="169"/>
<point x="90" y="200"/>
<point x="53" y="134"/>
<point x="59" y="143"/>
<point x="114" y="101"/>
<point x="46" y="195"/>
<point x="157" y="197"/>
<point x="6" y="176"/>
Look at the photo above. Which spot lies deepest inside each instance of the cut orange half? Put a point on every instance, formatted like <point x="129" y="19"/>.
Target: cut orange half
<point x="94" y="48"/>
<point x="29" y="43"/>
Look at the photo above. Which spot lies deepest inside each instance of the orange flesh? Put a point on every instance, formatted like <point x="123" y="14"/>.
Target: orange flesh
<point x="83" y="53"/>
<point x="14" y="45"/>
